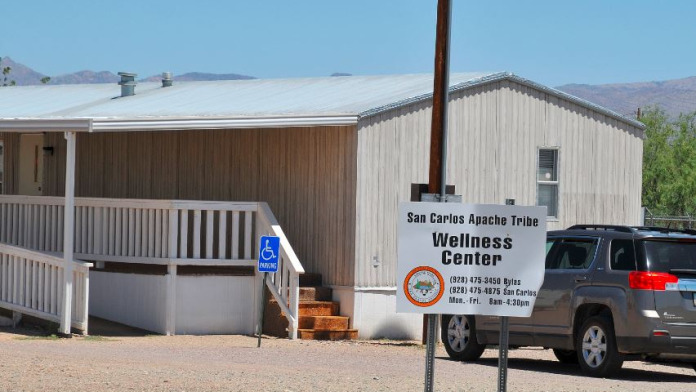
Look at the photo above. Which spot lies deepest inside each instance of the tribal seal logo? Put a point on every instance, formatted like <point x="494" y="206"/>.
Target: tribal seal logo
<point x="423" y="286"/>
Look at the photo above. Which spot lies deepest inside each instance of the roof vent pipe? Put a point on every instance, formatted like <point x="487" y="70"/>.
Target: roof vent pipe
<point x="127" y="83"/>
<point x="166" y="79"/>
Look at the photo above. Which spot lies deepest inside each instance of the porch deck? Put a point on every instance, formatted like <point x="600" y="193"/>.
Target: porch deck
<point x="171" y="233"/>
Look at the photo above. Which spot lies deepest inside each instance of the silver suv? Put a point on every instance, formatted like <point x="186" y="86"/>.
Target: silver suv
<point x="610" y="293"/>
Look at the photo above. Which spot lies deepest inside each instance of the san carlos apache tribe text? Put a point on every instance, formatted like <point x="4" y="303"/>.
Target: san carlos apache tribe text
<point x="467" y="241"/>
<point x="476" y="220"/>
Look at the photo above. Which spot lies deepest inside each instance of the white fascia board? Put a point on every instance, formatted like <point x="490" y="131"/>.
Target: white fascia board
<point x="28" y="125"/>
<point x="111" y="125"/>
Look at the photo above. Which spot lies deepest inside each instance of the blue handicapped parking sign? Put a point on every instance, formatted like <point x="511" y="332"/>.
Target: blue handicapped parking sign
<point x="269" y="253"/>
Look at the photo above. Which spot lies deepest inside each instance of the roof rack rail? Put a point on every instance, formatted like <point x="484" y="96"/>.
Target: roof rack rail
<point x="665" y="229"/>
<point x="621" y="229"/>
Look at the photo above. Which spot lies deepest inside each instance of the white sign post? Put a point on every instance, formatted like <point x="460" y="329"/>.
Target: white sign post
<point x="470" y="259"/>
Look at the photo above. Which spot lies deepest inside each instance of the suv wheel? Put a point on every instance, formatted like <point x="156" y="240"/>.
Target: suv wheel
<point x="597" y="353"/>
<point x="566" y="356"/>
<point x="459" y="337"/>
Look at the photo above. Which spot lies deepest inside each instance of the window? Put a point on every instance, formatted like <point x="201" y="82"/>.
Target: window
<point x="667" y="255"/>
<point x="547" y="181"/>
<point x="623" y="257"/>
<point x="570" y="253"/>
<point x="2" y="167"/>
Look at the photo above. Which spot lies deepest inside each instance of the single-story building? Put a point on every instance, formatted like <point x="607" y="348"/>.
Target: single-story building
<point x="177" y="172"/>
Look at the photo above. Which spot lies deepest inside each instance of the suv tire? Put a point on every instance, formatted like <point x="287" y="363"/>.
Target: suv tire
<point x="596" y="344"/>
<point x="459" y="337"/>
<point x="566" y="356"/>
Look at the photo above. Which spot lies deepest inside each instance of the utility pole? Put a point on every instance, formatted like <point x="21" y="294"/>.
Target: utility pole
<point x="437" y="180"/>
<point x="438" y="130"/>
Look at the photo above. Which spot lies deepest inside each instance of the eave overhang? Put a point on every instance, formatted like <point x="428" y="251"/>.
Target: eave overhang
<point x="170" y="124"/>
<point x="33" y="125"/>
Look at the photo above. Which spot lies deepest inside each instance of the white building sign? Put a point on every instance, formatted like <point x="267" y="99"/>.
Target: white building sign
<point x="470" y="258"/>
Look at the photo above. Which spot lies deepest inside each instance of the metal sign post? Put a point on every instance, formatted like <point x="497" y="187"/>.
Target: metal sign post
<point x="503" y="343"/>
<point x="263" y="310"/>
<point x="430" y="353"/>
<point x="269" y="247"/>
<point x="503" y="354"/>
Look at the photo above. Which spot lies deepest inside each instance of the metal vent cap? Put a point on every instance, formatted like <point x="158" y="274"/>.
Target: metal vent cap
<point x="127" y="83"/>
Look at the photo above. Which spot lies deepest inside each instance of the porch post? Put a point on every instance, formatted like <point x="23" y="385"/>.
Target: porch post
<point x="171" y="300"/>
<point x="68" y="234"/>
<point x="170" y="321"/>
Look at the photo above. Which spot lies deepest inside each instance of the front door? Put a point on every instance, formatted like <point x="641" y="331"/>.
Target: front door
<point x="31" y="164"/>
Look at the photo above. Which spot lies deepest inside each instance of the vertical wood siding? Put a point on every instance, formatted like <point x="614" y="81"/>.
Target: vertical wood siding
<point x="495" y="132"/>
<point x="307" y="175"/>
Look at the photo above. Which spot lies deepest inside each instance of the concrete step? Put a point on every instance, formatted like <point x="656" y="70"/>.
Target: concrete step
<point x="310" y="280"/>
<point x="324" y="323"/>
<point x="311" y="334"/>
<point x="315" y="294"/>
<point x="318" y="308"/>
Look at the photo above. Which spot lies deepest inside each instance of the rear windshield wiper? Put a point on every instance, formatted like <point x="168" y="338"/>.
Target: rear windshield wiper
<point x="685" y="271"/>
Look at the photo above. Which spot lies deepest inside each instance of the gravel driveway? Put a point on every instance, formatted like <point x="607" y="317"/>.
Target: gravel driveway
<point x="233" y="363"/>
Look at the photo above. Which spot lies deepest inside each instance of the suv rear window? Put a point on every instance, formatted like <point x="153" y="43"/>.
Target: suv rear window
<point x="667" y="256"/>
<point x="623" y="258"/>
<point x="570" y="253"/>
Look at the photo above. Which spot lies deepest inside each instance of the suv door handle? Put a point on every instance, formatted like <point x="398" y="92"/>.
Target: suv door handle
<point x="579" y="279"/>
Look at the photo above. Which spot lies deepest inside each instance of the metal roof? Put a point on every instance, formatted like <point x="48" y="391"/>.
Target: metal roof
<point x="232" y="104"/>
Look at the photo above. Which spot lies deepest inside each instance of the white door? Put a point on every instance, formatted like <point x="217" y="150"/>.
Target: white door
<point x="2" y="167"/>
<point x="30" y="164"/>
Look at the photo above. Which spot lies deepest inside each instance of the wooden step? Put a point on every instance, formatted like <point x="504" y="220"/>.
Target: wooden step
<point x="311" y="334"/>
<point x="315" y="294"/>
<point x="324" y="323"/>
<point x="310" y="280"/>
<point x="318" y="308"/>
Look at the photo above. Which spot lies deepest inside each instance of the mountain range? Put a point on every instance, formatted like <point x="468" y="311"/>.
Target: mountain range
<point x="674" y="96"/>
<point x="25" y="76"/>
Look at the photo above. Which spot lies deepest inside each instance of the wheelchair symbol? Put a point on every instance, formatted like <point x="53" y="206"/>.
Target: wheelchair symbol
<point x="267" y="252"/>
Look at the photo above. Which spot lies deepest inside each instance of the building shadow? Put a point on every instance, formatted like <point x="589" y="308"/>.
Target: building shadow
<point x="101" y="327"/>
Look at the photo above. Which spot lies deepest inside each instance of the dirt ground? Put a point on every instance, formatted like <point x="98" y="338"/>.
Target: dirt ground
<point x="30" y="361"/>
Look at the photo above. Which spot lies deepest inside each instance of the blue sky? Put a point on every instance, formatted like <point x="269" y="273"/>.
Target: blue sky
<point x="551" y="42"/>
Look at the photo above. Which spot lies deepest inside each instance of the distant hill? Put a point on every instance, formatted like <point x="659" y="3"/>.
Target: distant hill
<point x="21" y="74"/>
<point x="200" y="76"/>
<point x="25" y="76"/>
<point x="674" y="96"/>
<point x="85" y="77"/>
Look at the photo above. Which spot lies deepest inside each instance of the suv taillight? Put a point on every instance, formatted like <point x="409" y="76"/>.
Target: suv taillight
<point x="641" y="280"/>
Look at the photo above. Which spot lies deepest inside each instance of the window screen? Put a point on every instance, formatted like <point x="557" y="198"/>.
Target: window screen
<point x="547" y="181"/>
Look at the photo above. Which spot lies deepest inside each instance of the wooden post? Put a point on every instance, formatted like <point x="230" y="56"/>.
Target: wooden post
<point x="294" y="304"/>
<point x="438" y="130"/>
<point x="438" y="151"/>
<point x="68" y="235"/>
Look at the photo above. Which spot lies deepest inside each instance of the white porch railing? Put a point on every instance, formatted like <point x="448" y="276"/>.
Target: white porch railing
<point x="32" y="283"/>
<point x="284" y="284"/>
<point x="165" y="232"/>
